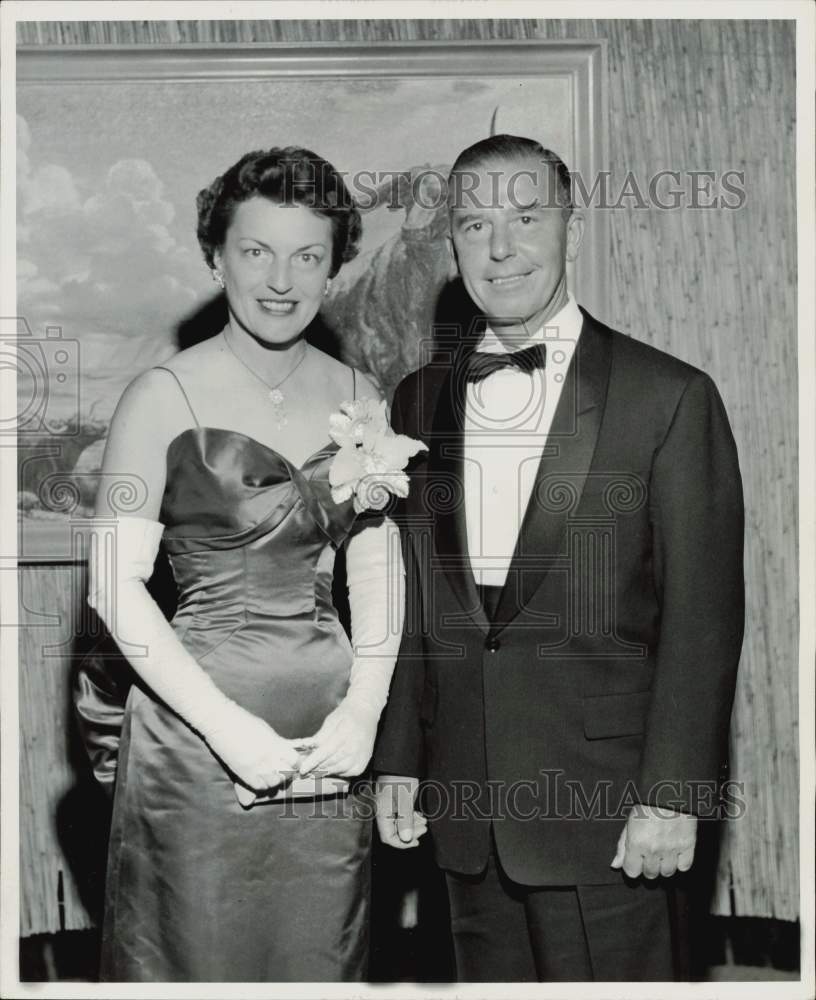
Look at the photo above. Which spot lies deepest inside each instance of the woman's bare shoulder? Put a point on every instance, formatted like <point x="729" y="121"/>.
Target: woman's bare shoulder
<point x="164" y="382"/>
<point x="366" y="387"/>
<point x="156" y="400"/>
<point x="194" y="361"/>
<point x="150" y="388"/>
<point x="346" y="380"/>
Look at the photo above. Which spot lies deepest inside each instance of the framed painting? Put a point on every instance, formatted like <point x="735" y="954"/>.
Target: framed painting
<point x="113" y="144"/>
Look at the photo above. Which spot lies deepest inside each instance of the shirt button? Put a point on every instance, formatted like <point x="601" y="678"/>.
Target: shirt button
<point x="492" y="645"/>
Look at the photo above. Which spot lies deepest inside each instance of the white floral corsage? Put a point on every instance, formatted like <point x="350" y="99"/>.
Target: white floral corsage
<point x="370" y="463"/>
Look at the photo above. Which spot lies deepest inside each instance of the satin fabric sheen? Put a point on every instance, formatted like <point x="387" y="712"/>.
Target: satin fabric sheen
<point x="200" y="889"/>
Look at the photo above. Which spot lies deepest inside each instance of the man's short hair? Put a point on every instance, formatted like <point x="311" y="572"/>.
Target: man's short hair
<point x="513" y="147"/>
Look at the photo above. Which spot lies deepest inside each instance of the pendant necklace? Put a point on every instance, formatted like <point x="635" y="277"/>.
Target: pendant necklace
<point x="276" y="397"/>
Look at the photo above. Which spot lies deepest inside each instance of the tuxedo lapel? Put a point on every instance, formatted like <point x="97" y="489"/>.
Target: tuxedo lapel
<point x="446" y="476"/>
<point x="561" y="473"/>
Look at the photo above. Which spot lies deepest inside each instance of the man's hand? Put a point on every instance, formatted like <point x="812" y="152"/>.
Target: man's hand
<point x="656" y="842"/>
<point x="399" y="825"/>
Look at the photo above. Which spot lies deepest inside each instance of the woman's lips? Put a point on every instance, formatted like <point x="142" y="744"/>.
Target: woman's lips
<point x="277" y="307"/>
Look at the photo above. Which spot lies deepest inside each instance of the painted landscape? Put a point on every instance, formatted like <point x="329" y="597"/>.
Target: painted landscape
<point x="110" y="277"/>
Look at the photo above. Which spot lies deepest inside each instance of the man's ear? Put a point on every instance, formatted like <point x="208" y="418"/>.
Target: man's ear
<point x="575" y="234"/>
<point x="453" y="263"/>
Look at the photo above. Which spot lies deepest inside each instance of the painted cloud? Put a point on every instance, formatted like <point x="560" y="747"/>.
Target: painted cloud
<point x="105" y="265"/>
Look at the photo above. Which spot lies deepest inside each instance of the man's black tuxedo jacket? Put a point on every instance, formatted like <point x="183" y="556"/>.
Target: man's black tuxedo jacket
<point x="607" y="676"/>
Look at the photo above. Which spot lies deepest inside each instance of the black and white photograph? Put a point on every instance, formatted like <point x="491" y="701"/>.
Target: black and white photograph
<point x="407" y="449"/>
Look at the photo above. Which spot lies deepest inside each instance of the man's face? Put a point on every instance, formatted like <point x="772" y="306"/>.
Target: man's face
<point x="511" y="240"/>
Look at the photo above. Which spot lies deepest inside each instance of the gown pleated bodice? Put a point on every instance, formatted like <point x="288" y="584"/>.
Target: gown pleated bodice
<point x="251" y="540"/>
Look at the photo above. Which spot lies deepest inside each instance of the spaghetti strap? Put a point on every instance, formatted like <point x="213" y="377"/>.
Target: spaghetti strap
<point x="354" y="383"/>
<point x="162" y="368"/>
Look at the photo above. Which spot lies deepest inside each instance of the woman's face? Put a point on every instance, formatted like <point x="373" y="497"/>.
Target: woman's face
<point x="275" y="262"/>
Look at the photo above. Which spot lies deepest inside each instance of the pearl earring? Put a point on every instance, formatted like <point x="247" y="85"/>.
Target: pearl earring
<point x="219" y="277"/>
<point x="328" y="286"/>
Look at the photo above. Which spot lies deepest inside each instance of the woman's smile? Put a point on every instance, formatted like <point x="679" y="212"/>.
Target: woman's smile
<point x="278" y="307"/>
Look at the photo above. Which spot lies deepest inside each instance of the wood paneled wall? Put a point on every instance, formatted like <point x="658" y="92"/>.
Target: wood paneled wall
<point x="716" y="287"/>
<point x="51" y="827"/>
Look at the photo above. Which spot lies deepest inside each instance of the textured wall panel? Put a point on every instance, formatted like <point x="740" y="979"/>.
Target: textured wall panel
<point x="716" y="287"/>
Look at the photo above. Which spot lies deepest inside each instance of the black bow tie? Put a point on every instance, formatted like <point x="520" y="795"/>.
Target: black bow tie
<point x="481" y="364"/>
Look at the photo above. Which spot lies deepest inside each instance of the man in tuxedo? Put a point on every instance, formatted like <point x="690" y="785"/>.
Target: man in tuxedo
<point x="573" y="545"/>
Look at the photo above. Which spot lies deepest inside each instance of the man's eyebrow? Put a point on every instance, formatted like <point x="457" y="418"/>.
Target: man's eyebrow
<point x="460" y="219"/>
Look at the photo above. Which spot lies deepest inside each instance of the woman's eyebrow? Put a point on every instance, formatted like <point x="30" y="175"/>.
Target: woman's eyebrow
<point x="255" y="239"/>
<point x="307" y="246"/>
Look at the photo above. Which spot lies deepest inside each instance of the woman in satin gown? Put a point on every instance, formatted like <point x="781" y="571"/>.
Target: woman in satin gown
<point x="230" y="439"/>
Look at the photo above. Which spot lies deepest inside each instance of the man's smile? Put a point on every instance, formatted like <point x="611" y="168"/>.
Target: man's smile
<point x="509" y="281"/>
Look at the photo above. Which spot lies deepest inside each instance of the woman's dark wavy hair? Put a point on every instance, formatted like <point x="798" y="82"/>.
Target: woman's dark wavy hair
<point x="287" y="176"/>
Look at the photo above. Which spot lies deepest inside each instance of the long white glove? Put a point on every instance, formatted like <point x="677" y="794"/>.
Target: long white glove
<point x="376" y="575"/>
<point x="121" y="558"/>
<point x="376" y="590"/>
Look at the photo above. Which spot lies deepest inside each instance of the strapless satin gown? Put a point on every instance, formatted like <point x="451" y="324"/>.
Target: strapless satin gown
<point x="198" y="888"/>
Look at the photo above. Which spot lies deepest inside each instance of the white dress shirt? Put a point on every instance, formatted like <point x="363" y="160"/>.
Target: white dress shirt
<point x="508" y="416"/>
